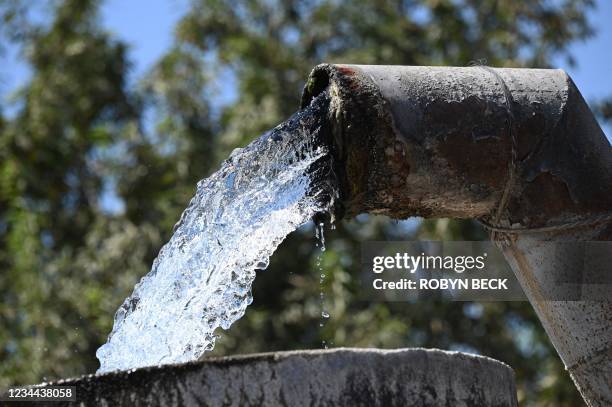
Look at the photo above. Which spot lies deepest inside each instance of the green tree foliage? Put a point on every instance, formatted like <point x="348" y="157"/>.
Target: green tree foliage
<point x="81" y="131"/>
<point x="604" y="110"/>
<point x="51" y="180"/>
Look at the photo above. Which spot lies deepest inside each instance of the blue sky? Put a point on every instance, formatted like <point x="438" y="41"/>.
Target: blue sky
<point x="593" y="73"/>
<point x="148" y="33"/>
<point x="146" y="25"/>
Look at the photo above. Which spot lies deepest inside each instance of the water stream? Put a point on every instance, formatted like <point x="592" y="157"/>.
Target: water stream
<point x="320" y="236"/>
<point x="201" y="279"/>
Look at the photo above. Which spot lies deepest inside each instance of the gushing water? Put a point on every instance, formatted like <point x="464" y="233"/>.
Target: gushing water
<point x="202" y="277"/>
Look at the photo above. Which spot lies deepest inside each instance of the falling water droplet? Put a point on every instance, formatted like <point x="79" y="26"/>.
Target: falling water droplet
<point x="320" y="235"/>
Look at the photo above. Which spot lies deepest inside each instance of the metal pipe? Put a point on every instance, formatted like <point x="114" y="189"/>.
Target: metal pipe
<point x="516" y="148"/>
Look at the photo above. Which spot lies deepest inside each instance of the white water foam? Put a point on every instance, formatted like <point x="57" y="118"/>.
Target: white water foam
<point x="202" y="277"/>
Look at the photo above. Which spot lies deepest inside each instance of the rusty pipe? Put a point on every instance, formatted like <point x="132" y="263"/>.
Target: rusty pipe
<point x="457" y="142"/>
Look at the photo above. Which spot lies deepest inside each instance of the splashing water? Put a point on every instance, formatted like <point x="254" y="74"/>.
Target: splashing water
<point x="202" y="277"/>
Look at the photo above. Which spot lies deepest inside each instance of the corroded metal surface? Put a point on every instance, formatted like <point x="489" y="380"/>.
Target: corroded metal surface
<point x="340" y="377"/>
<point x="580" y="330"/>
<point x="436" y="142"/>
